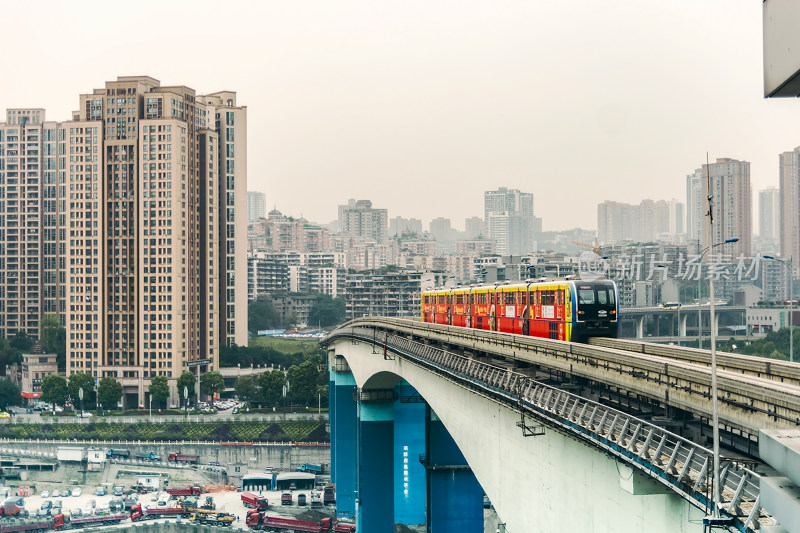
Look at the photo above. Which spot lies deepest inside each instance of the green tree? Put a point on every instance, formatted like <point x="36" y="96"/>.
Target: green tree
<point x="53" y="337"/>
<point x="303" y="380"/>
<point x="211" y="383"/>
<point x="9" y="393"/>
<point x="109" y="393"/>
<point x="261" y="315"/>
<point x="186" y="379"/>
<point x="81" y="380"/>
<point x="54" y="389"/>
<point x="327" y="311"/>
<point x="271" y="384"/>
<point x="246" y="388"/>
<point x="21" y="342"/>
<point x="159" y="390"/>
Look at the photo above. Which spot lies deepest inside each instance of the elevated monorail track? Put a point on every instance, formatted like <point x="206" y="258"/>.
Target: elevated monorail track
<point x="676" y="462"/>
<point x="749" y="399"/>
<point x="747" y="365"/>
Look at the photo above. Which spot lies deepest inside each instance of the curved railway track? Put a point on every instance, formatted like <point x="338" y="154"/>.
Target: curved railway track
<point x="753" y="393"/>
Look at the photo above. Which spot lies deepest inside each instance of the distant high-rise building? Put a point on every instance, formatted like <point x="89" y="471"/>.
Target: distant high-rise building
<point x="400" y="225"/>
<point x="648" y="221"/>
<point x="155" y="260"/>
<point x="509" y="220"/>
<point x="441" y="229"/>
<point x="730" y="188"/>
<point x="695" y="209"/>
<point x="473" y="227"/>
<point x="790" y="208"/>
<point x="360" y="219"/>
<point x="256" y="205"/>
<point x="33" y="160"/>
<point x="677" y="218"/>
<point x="769" y="215"/>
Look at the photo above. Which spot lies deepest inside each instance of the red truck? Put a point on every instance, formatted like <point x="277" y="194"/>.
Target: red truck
<point x="62" y="522"/>
<point x="184" y="491"/>
<point x="256" y="520"/>
<point x="150" y="513"/>
<point x="329" y="494"/>
<point x="178" y="457"/>
<point x="286" y="498"/>
<point x="31" y="524"/>
<point x="253" y="501"/>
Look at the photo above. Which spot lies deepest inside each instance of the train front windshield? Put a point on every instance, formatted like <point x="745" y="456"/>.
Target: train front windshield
<point x="596" y="302"/>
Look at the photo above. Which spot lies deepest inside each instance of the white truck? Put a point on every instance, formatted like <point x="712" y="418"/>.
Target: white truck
<point x="70" y="454"/>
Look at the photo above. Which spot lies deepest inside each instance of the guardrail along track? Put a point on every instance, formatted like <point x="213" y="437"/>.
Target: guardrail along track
<point x="746" y="403"/>
<point x="682" y="465"/>
<point x="748" y="365"/>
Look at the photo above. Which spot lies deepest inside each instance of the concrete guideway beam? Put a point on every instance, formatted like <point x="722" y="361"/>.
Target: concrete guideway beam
<point x="535" y="483"/>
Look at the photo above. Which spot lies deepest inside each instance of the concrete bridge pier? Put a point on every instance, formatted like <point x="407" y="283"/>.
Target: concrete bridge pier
<point x="455" y="498"/>
<point x="343" y="432"/>
<point x="682" y="326"/>
<point x="409" y="443"/>
<point x="376" y="486"/>
<point x="640" y="327"/>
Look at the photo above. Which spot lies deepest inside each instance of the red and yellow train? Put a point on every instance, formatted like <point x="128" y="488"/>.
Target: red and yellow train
<point x="568" y="310"/>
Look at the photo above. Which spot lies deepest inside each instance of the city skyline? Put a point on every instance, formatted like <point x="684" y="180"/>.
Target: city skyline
<point x="451" y="106"/>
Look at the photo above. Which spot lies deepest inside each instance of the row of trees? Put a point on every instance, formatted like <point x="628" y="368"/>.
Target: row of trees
<point x="326" y="311"/>
<point x="59" y="391"/>
<point x="302" y="384"/>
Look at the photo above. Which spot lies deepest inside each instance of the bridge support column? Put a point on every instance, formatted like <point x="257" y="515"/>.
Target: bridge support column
<point x="716" y="324"/>
<point x="376" y="480"/>
<point x="409" y="444"/>
<point x="343" y="433"/>
<point x="682" y="326"/>
<point x="640" y="327"/>
<point x="455" y="498"/>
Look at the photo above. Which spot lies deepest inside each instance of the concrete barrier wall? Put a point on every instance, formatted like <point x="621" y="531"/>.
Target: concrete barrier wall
<point x="236" y="459"/>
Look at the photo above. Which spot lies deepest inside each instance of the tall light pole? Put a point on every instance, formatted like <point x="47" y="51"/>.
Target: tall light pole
<point x="788" y="265"/>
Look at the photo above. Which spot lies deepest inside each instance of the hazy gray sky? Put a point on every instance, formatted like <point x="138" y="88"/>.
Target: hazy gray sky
<point x="420" y="106"/>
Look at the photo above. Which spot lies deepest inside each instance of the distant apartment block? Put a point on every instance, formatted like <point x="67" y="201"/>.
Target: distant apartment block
<point x="360" y="220"/>
<point x="695" y="206"/>
<point x="393" y="294"/>
<point x="790" y="208"/>
<point x="34" y="155"/>
<point x="399" y="225"/>
<point x="256" y="205"/>
<point x="769" y="216"/>
<point x="648" y="221"/>
<point x="266" y="276"/>
<point x="730" y="188"/>
<point x="289" y="234"/>
<point x="136" y="211"/>
<point x="473" y="227"/>
<point x="509" y="220"/>
<point x="475" y="247"/>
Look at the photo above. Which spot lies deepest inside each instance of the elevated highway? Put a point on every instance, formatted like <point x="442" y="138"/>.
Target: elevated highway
<point x="502" y="368"/>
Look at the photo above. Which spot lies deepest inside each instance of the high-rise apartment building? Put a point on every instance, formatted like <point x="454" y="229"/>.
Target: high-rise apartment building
<point x="441" y="230"/>
<point x="32" y="165"/>
<point x="648" y="221"/>
<point x="256" y="206"/>
<point x="789" y="173"/>
<point x="473" y="227"/>
<point x="400" y="225"/>
<point x="769" y="215"/>
<point x="142" y="250"/>
<point x="695" y="208"/>
<point x="360" y="219"/>
<point x="730" y="191"/>
<point x="509" y="220"/>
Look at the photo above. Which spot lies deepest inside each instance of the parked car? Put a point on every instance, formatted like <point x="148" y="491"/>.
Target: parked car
<point x="101" y="490"/>
<point x="83" y="415"/>
<point x="46" y="505"/>
<point x="77" y="491"/>
<point x="3" y="414"/>
<point x="66" y="493"/>
<point x="45" y="494"/>
<point x="56" y="493"/>
<point x="76" y="512"/>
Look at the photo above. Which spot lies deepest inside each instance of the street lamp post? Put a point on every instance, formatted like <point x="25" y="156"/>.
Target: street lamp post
<point x="788" y="265"/>
<point x="186" y="402"/>
<point x="714" y="401"/>
<point x="80" y="395"/>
